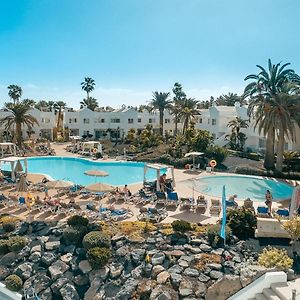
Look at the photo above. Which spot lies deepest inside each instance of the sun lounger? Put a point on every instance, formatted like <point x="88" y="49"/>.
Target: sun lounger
<point x="172" y="199"/>
<point x="201" y="204"/>
<point x="215" y="207"/>
<point x="263" y="212"/>
<point x="120" y="214"/>
<point x="146" y="197"/>
<point x="284" y="213"/>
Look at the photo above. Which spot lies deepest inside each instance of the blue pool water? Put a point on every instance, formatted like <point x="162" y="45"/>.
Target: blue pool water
<point x="71" y="168"/>
<point x="244" y="186"/>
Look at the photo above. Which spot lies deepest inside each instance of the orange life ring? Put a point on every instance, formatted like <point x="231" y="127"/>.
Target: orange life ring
<point x="212" y="163"/>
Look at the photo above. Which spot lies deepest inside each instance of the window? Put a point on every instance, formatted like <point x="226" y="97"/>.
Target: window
<point x="167" y="121"/>
<point x="102" y="121"/>
<point x="115" y="120"/>
<point x="45" y="120"/>
<point x="151" y="120"/>
<point x="73" y="120"/>
<point x="200" y="120"/>
<point x="130" y="121"/>
<point x="213" y="121"/>
<point x="262" y="143"/>
<point x="207" y="121"/>
<point x="86" y="121"/>
<point x="139" y="120"/>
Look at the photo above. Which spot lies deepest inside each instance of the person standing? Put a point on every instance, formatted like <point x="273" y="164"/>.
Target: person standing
<point x="268" y="202"/>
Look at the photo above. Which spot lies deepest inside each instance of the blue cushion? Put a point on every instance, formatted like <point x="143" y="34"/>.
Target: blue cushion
<point x="173" y="196"/>
<point x="283" y="212"/>
<point x="22" y="200"/>
<point x="262" y="210"/>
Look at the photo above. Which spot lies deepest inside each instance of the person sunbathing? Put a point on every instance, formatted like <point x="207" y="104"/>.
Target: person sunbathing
<point x="231" y="201"/>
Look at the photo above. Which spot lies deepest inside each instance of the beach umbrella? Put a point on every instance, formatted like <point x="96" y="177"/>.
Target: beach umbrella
<point x="22" y="185"/>
<point x="18" y="167"/>
<point x="59" y="184"/>
<point x="99" y="188"/>
<point x="96" y="173"/>
<point x="193" y="154"/>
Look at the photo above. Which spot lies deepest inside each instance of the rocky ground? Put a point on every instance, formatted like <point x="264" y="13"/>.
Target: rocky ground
<point x="156" y="266"/>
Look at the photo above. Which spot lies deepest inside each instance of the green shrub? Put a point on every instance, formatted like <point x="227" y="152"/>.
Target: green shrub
<point x="9" y="227"/>
<point x="217" y="153"/>
<point x="16" y="243"/>
<point x="3" y="247"/>
<point x="96" y="239"/>
<point x="213" y="235"/>
<point x="181" y="226"/>
<point x="78" y="221"/>
<point x="98" y="257"/>
<point x="74" y="235"/>
<point x="242" y="222"/>
<point x="13" y="283"/>
<point x="275" y="258"/>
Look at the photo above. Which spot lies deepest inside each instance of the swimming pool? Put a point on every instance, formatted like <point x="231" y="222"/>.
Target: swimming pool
<point x="244" y="186"/>
<point x="72" y="168"/>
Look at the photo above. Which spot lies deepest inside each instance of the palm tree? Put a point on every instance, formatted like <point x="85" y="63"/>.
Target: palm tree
<point x="42" y="104"/>
<point x="29" y="102"/>
<point x="88" y="85"/>
<point x="266" y="85"/>
<point x="283" y="115"/>
<point x="188" y="112"/>
<point x="18" y="117"/>
<point x="58" y="108"/>
<point x="237" y="137"/>
<point x="177" y="102"/>
<point x="161" y="102"/>
<point x="15" y="92"/>
<point x="90" y="103"/>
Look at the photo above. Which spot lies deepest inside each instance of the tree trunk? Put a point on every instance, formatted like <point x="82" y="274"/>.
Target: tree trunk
<point x="269" y="157"/>
<point x="280" y="149"/>
<point x="161" y="122"/>
<point x="176" y="124"/>
<point x="19" y="134"/>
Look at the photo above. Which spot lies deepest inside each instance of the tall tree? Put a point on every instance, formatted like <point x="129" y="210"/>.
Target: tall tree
<point x="266" y="85"/>
<point x="88" y="85"/>
<point x="90" y="103"/>
<point x="229" y="100"/>
<point x="29" y="102"/>
<point x="18" y="117"/>
<point x="188" y="112"/>
<point x="15" y="92"/>
<point x="160" y="102"/>
<point x="59" y="106"/>
<point x="237" y="138"/>
<point x="283" y="114"/>
<point x="179" y="96"/>
<point x="42" y="104"/>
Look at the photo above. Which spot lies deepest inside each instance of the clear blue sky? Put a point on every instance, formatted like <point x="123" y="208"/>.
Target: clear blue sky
<point x="132" y="47"/>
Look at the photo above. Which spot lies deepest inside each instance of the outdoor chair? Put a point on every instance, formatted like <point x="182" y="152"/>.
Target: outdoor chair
<point x="263" y="212"/>
<point x="172" y="199"/>
<point x="248" y="204"/>
<point x="201" y="204"/>
<point x="215" y="207"/>
<point x="161" y="197"/>
<point x="283" y="213"/>
<point x="187" y="203"/>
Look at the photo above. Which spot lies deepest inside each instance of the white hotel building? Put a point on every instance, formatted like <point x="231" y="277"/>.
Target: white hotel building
<point x="104" y="124"/>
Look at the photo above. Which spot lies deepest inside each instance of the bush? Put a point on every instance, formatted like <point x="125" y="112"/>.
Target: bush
<point x="275" y="258"/>
<point x="74" y="235"/>
<point x="3" y="247"/>
<point x="181" y="226"/>
<point x="267" y="173"/>
<point x="96" y="239"/>
<point x="13" y="283"/>
<point x="242" y="222"/>
<point x="9" y="227"/>
<point x="213" y="235"/>
<point x="249" y="154"/>
<point x="217" y="153"/>
<point x="98" y="257"/>
<point x="78" y="221"/>
<point x="16" y="243"/>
